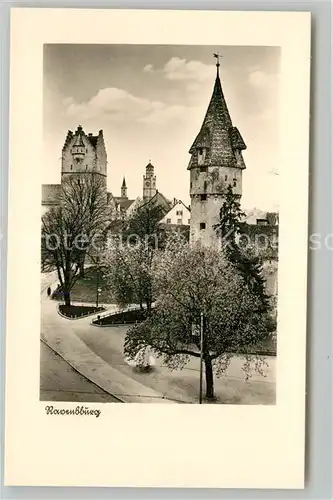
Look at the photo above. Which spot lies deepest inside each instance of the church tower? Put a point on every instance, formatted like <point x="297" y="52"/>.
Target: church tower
<point x="216" y="162"/>
<point x="84" y="154"/>
<point x="149" y="183"/>
<point x="124" y="189"/>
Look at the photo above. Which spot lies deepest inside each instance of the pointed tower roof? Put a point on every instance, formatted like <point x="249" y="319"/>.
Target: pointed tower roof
<point x="217" y="133"/>
<point x="78" y="137"/>
<point x="124" y="182"/>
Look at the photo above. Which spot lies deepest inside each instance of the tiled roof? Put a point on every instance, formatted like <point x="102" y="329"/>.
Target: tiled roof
<point x="217" y="133"/>
<point x="124" y="203"/>
<point x="159" y="200"/>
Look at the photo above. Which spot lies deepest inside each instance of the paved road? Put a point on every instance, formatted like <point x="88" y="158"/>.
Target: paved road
<point x="98" y="352"/>
<point x="60" y="382"/>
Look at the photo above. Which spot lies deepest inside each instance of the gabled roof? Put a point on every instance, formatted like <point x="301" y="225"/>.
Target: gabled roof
<point x="217" y="133"/>
<point x="159" y="200"/>
<point x="78" y="137"/>
<point x="124" y="203"/>
<point x="175" y="206"/>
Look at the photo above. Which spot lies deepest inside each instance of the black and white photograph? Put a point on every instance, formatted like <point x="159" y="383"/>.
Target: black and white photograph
<point x="157" y="249"/>
<point x="160" y="224"/>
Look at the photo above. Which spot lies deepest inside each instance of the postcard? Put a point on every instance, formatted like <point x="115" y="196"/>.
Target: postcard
<point x="157" y="254"/>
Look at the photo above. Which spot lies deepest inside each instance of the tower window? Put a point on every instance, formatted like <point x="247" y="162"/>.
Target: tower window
<point x="203" y="169"/>
<point x="203" y="197"/>
<point x="200" y="151"/>
<point x="235" y="182"/>
<point x="226" y="178"/>
<point x="202" y="225"/>
<point x="189" y="221"/>
<point x="71" y="167"/>
<point x="205" y="186"/>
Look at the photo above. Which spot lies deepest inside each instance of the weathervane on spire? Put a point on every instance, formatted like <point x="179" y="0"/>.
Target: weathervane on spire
<point x="217" y="56"/>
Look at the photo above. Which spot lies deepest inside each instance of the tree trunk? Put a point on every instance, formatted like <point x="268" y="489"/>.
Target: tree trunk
<point x="67" y="297"/>
<point x="81" y="271"/>
<point x="148" y="303"/>
<point x="209" y="378"/>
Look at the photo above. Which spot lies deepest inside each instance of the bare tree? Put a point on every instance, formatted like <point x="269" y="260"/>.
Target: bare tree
<point x="75" y="228"/>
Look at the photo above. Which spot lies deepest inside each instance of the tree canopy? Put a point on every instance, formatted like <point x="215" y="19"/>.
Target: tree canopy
<point x="194" y="280"/>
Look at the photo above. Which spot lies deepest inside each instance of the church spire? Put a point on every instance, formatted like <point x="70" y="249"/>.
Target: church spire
<point x="124" y="189"/>
<point x="217" y="135"/>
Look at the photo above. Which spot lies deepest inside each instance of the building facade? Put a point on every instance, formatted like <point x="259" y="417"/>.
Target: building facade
<point x="82" y="155"/>
<point x="178" y="215"/>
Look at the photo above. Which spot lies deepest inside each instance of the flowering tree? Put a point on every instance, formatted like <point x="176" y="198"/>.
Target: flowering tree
<point x="130" y="257"/>
<point x="194" y="280"/>
<point x="128" y="270"/>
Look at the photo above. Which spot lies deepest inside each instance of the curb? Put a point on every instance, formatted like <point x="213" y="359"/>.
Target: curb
<point x="80" y="317"/>
<point x="82" y="374"/>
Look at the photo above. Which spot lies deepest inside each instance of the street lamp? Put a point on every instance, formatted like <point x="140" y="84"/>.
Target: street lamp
<point x="201" y="355"/>
<point x="98" y="290"/>
<point x="201" y="335"/>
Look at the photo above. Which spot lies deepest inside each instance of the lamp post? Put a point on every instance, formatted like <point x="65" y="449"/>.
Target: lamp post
<point x="97" y="281"/>
<point x="201" y="355"/>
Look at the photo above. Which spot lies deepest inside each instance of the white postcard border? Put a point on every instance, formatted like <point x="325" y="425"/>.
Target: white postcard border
<point x="154" y="445"/>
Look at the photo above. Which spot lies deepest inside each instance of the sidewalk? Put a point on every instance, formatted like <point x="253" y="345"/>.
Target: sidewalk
<point x="63" y="337"/>
<point x="183" y="385"/>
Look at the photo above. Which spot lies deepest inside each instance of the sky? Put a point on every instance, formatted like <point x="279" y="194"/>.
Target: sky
<point x="151" y="100"/>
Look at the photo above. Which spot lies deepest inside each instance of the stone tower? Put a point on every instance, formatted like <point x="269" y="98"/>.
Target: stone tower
<point x="84" y="155"/>
<point x="124" y="189"/>
<point x="149" y="183"/>
<point x="216" y="162"/>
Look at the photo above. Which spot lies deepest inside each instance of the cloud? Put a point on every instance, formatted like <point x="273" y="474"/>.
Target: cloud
<point x="148" y="68"/>
<point x="178" y="69"/>
<point x="166" y="114"/>
<point x="259" y="79"/>
<point x="181" y="69"/>
<point x="118" y="105"/>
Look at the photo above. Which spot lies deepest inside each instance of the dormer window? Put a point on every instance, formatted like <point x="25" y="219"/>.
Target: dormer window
<point x="201" y="156"/>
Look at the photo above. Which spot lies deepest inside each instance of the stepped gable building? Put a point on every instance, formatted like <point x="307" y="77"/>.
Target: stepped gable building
<point x="216" y="162"/>
<point x="82" y="154"/>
